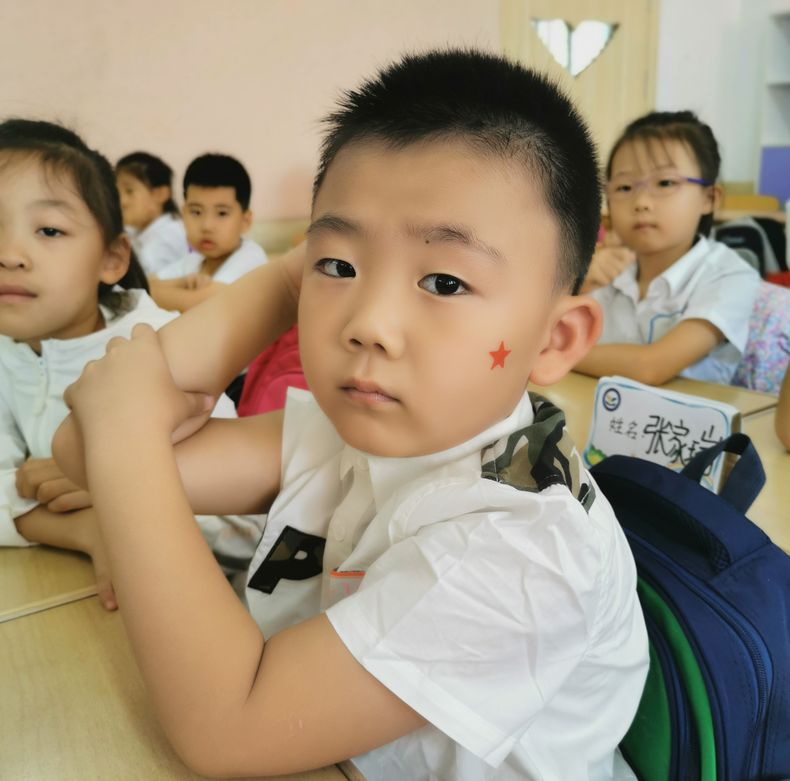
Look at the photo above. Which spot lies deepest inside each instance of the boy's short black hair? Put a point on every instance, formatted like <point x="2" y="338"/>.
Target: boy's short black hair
<point x="499" y="108"/>
<point x="214" y="170"/>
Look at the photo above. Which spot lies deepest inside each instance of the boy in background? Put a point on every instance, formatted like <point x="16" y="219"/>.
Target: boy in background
<point x="216" y="212"/>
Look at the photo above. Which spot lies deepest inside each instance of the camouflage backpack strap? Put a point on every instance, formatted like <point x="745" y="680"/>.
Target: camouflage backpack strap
<point x="538" y="456"/>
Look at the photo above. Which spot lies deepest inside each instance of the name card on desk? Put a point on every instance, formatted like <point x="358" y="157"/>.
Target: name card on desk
<point x="658" y="425"/>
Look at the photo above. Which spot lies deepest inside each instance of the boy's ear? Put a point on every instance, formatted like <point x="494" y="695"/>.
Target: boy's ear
<point x="161" y="194"/>
<point x="246" y="221"/>
<point x="576" y="330"/>
<point x="115" y="263"/>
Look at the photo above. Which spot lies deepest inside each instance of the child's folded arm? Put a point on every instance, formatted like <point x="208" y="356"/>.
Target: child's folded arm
<point x="209" y="346"/>
<point x="229" y="705"/>
<point x="656" y="363"/>
<point x="232" y="467"/>
<point x="181" y="298"/>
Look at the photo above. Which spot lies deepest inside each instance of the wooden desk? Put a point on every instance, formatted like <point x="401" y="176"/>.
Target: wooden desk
<point x="725" y="215"/>
<point x="38" y="578"/>
<point x="575" y="394"/>
<point x="73" y="706"/>
<point x="771" y="509"/>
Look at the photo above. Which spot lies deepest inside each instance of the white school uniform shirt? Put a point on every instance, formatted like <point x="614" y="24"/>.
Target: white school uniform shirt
<point x="248" y="256"/>
<point x="710" y="282"/>
<point x="32" y="408"/>
<point x="489" y="586"/>
<point x="159" y="244"/>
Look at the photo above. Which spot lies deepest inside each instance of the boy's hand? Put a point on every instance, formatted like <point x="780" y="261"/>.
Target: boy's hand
<point x="42" y="480"/>
<point x="132" y="386"/>
<point x="196" y="281"/>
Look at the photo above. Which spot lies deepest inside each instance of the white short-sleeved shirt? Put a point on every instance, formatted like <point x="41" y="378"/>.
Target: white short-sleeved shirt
<point x="32" y="408"/>
<point x="248" y="256"/>
<point x="710" y="282"/>
<point x="161" y="243"/>
<point x="489" y="587"/>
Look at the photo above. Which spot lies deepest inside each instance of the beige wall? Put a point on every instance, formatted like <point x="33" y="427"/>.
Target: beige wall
<point x="246" y="77"/>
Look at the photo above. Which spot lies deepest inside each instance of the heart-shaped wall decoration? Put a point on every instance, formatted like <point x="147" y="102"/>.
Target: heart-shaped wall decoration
<point x="574" y="48"/>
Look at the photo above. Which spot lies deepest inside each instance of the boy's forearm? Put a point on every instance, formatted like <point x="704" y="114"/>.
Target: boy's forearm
<point x="212" y="343"/>
<point x="197" y="647"/>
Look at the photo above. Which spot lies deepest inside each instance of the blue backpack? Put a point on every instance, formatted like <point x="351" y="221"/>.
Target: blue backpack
<point x="716" y="596"/>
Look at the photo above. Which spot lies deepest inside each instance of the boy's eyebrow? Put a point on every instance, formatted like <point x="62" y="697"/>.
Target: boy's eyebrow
<point x="333" y="223"/>
<point x="455" y="234"/>
<point x="447" y="234"/>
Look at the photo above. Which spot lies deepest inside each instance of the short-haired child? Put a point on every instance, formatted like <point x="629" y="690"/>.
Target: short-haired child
<point x="217" y="191"/>
<point x="62" y="251"/>
<point x="150" y="215"/>
<point x="440" y="587"/>
<point x="683" y="308"/>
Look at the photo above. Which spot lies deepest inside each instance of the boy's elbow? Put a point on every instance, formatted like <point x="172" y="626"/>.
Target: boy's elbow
<point x="210" y="749"/>
<point x="202" y="754"/>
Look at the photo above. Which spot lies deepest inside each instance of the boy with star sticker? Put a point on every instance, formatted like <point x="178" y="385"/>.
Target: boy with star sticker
<point x="440" y="591"/>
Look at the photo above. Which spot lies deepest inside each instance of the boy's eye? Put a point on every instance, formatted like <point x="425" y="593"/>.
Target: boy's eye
<point x="50" y="233"/>
<point x="336" y="268"/>
<point x="442" y="285"/>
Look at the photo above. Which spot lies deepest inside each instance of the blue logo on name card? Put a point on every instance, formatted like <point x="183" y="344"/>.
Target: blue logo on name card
<point x="611" y="399"/>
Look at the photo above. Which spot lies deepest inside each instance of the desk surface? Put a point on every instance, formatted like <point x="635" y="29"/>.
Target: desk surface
<point x="73" y="705"/>
<point x="38" y="578"/>
<point x="725" y="215"/>
<point x="771" y="509"/>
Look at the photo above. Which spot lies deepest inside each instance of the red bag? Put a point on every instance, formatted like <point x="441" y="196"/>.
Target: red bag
<point x="270" y="375"/>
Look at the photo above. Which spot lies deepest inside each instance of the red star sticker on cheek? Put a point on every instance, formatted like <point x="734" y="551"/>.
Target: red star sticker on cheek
<point x="499" y="356"/>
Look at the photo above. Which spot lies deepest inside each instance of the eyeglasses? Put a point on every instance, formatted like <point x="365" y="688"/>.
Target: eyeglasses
<point x="658" y="186"/>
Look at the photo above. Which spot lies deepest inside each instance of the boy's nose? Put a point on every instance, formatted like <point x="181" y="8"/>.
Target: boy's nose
<point x="375" y="325"/>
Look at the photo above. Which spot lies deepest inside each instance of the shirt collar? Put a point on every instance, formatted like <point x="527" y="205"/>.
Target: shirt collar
<point x="387" y="475"/>
<point x="679" y="272"/>
<point x="674" y="277"/>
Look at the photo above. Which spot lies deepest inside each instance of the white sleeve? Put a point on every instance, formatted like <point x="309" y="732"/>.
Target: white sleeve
<point x="478" y="621"/>
<point x="12" y="455"/>
<point x="726" y="300"/>
<point x="157" y="254"/>
<point x="175" y="270"/>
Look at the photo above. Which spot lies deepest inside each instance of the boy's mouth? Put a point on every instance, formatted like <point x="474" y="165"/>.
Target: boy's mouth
<point x="366" y="392"/>
<point x="206" y="244"/>
<point x="12" y="293"/>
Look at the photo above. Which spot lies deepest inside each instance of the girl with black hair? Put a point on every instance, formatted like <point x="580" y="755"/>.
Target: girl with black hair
<point x="683" y="307"/>
<point x="151" y="217"/>
<point x="69" y="283"/>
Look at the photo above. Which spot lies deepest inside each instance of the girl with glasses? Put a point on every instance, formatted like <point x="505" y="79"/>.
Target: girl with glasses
<point x="683" y="307"/>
